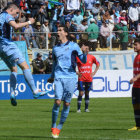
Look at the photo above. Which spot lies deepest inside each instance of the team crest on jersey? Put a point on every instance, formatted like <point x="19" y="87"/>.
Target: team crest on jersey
<point x="89" y="61"/>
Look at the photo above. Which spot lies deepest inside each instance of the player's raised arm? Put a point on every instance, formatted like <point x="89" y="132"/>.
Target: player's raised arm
<point x="13" y="13"/>
<point x="20" y="25"/>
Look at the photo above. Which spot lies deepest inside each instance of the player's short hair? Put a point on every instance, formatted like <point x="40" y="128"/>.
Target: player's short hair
<point x="11" y="5"/>
<point x="137" y="40"/>
<point x="84" y="42"/>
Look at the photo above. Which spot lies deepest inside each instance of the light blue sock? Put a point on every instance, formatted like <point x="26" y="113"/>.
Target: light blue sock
<point x="29" y="79"/>
<point x="64" y="115"/>
<point x="55" y="112"/>
<point x="13" y="81"/>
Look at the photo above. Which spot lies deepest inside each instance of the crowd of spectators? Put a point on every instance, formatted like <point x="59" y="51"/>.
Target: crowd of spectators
<point x="101" y="20"/>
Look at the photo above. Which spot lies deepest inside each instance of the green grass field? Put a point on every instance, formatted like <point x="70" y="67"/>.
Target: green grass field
<point x="108" y="119"/>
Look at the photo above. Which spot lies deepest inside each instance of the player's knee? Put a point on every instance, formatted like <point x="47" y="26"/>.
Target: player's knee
<point x="66" y="104"/>
<point x="14" y="69"/>
<point x="81" y="93"/>
<point x="136" y="106"/>
<point x="58" y="102"/>
<point x="24" y="65"/>
<point x="87" y="93"/>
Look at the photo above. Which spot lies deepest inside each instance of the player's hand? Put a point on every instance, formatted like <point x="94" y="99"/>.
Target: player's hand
<point x="92" y="74"/>
<point x="79" y="74"/>
<point x="50" y="80"/>
<point x="133" y="80"/>
<point x="32" y="20"/>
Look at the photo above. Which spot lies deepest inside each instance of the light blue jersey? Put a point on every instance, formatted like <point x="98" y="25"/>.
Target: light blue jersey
<point x="5" y="28"/>
<point x="64" y="60"/>
<point x="9" y="52"/>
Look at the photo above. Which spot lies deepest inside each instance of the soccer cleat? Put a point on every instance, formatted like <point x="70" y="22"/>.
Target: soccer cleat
<point x="78" y="111"/>
<point x="86" y="110"/>
<point x="135" y="128"/>
<point x="42" y="93"/>
<point x="55" y="132"/>
<point x="13" y="100"/>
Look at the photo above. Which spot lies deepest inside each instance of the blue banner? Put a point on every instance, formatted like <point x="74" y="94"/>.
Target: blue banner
<point x="22" y="89"/>
<point x="4" y="70"/>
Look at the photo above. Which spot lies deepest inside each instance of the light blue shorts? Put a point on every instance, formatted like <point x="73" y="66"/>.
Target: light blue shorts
<point x="10" y="53"/>
<point x="64" y="88"/>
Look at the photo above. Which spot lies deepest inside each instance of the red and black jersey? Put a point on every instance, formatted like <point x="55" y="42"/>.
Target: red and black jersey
<point x="86" y="69"/>
<point x="136" y="70"/>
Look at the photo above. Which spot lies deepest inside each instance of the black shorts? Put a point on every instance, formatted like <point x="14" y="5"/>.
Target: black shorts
<point x="84" y="86"/>
<point x="135" y="95"/>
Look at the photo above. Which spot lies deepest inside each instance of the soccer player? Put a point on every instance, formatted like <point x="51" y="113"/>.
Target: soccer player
<point x="64" y="76"/>
<point x="85" y="77"/>
<point x="136" y="85"/>
<point x="9" y="52"/>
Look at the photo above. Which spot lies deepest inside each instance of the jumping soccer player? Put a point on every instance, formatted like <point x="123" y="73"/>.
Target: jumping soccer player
<point x="136" y="85"/>
<point x="85" y="77"/>
<point x="9" y="52"/>
<point x="64" y="76"/>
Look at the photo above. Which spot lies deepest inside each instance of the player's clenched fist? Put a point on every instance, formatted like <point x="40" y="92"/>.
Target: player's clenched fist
<point x="32" y="20"/>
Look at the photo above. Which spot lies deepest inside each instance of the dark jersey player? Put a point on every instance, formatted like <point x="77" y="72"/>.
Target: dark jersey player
<point x="136" y="85"/>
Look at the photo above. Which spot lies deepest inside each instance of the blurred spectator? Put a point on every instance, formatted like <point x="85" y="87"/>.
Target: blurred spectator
<point x="71" y="28"/>
<point x="123" y="34"/>
<point x="47" y="9"/>
<point x="77" y="18"/>
<point x="89" y="4"/>
<point x="45" y="29"/>
<point x="98" y="11"/>
<point x="123" y="16"/>
<point x="28" y="15"/>
<point x="125" y="5"/>
<point x="29" y="36"/>
<point x="106" y="16"/>
<point x="132" y="35"/>
<point x="116" y="7"/>
<point x="38" y="65"/>
<point x="38" y="34"/>
<point x="42" y="14"/>
<point x="93" y="32"/>
<point x="83" y="26"/>
<point x="22" y="17"/>
<point x="68" y="17"/>
<point x="60" y="15"/>
<point x="48" y="63"/>
<point x="88" y="16"/>
<point x="73" y="4"/>
<point x="35" y="7"/>
<point x="23" y="5"/>
<point x="105" y="33"/>
<point x="56" y="25"/>
<point x="115" y="17"/>
<point x="133" y="14"/>
<point x="107" y="6"/>
<point x="54" y="17"/>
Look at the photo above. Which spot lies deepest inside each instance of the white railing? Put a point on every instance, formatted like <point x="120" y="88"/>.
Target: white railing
<point x="50" y="40"/>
